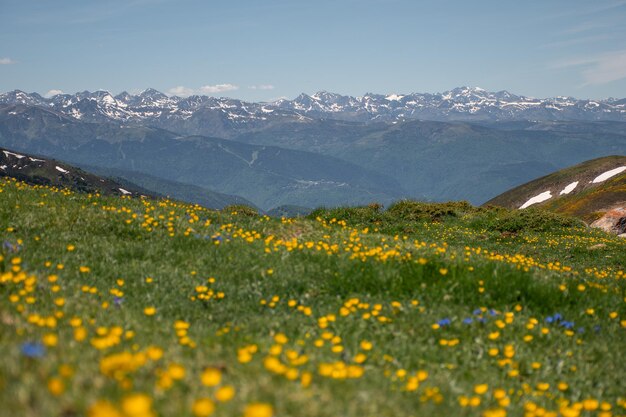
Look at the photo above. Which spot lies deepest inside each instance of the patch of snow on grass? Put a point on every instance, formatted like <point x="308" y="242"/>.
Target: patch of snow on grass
<point x="64" y="171"/>
<point x="569" y="188"/>
<point x="608" y="174"/>
<point x="546" y="195"/>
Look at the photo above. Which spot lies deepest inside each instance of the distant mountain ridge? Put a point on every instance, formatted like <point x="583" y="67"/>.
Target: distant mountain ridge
<point x="320" y="150"/>
<point x="225" y="117"/>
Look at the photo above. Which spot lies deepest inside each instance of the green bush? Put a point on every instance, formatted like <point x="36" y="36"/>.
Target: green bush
<point x="419" y="211"/>
<point x="351" y="215"/>
<point x="530" y="219"/>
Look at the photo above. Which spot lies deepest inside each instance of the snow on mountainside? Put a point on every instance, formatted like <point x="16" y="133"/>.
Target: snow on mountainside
<point x="464" y="103"/>
<point x="594" y="191"/>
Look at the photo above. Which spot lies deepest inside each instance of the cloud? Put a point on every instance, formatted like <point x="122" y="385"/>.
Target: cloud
<point x="181" y="91"/>
<point x="600" y="69"/>
<point x="6" y="61"/>
<point x="218" y="88"/>
<point x="52" y="93"/>
<point x="261" y="87"/>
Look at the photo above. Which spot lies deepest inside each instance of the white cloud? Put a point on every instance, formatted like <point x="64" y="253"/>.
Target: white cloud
<point x="262" y="87"/>
<point x="600" y="69"/>
<point x="6" y="61"/>
<point x="52" y="93"/>
<point x="218" y="88"/>
<point x="181" y="91"/>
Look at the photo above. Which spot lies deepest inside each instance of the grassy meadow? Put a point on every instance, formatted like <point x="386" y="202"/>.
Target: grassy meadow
<point x="120" y="307"/>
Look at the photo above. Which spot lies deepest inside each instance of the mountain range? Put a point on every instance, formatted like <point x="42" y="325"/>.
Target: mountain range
<point x="224" y="117"/>
<point x="324" y="149"/>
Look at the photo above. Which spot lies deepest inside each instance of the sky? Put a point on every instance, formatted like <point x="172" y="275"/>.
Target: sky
<point x="264" y="50"/>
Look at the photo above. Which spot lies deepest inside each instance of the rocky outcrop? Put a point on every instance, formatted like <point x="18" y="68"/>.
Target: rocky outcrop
<point x="613" y="221"/>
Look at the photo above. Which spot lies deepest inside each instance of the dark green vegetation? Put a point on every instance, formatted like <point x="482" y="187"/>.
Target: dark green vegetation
<point x="586" y="201"/>
<point x="125" y="307"/>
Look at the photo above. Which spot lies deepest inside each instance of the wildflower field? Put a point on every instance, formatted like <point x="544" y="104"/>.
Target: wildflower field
<point x="112" y="306"/>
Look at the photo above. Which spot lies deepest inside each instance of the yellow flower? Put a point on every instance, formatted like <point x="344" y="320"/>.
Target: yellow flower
<point x="497" y="412"/>
<point x="50" y="339"/>
<point x="590" y="404"/>
<point x="211" y="377"/>
<point x="203" y="407"/>
<point x="366" y="345"/>
<point x="103" y="409"/>
<point x="481" y="389"/>
<point x="154" y="353"/>
<point x="149" y="311"/>
<point x="360" y="358"/>
<point x="494" y="335"/>
<point x="137" y="405"/>
<point x="225" y="393"/>
<point x="258" y="410"/>
<point x="84" y="269"/>
<point x="176" y="371"/>
<point x="70" y="248"/>
<point x="56" y="386"/>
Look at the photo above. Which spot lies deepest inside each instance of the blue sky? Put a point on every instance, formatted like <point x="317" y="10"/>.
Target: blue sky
<point x="263" y="50"/>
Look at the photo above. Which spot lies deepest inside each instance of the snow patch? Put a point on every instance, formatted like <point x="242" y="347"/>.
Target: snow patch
<point x="393" y="97"/>
<point x="125" y="192"/>
<point x="36" y="160"/>
<point x="17" y="155"/>
<point x="605" y="176"/>
<point x="4" y="167"/>
<point x="546" y="195"/>
<point x="569" y="188"/>
<point x="64" y="171"/>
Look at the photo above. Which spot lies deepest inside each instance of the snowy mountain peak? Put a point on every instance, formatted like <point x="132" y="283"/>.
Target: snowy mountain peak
<point x="461" y="103"/>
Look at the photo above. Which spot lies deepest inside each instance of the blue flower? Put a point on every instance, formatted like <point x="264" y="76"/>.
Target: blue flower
<point x="444" y="322"/>
<point x="549" y="319"/>
<point x="468" y="320"/>
<point x="477" y="311"/>
<point x="558" y="316"/>
<point x="33" y="350"/>
<point x="118" y="301"/>
<point x="568" y="324"/>
<point x="492" y="312"/>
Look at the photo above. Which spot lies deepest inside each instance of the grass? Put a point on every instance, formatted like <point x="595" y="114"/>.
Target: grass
<point x="127" y="307"/>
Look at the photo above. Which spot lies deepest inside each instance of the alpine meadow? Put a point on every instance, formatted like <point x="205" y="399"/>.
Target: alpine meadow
<point x="202" y="214"/>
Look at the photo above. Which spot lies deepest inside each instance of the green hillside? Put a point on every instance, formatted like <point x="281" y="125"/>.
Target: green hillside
<point x="114" y="306"/>
<point x="587" y="200"/>
<point x="176" y="190"/>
